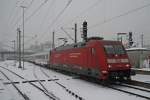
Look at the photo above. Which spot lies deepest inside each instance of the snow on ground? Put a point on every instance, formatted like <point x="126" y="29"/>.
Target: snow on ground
<point x="87" y="90"/>
<point x="6" y="93"/>
<point x="141" y="78"/>
<point x="144" y="69"/>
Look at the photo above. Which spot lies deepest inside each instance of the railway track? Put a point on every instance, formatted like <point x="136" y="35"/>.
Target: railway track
<point x="138" y="83"/>
<point x="130" y="89"/>
<point x="13" y="84"/>
<point x="50" y="93"/>
<point x="116" y="87"/>
<point x="65" y="88"/>
<point x="44" y="72"/>
<point x="39" y="88"/>
<point x="134" y="87"/>
<point x="121" y="87"/>
<point x="72" y="75"/>
<point x="132" y="93"/>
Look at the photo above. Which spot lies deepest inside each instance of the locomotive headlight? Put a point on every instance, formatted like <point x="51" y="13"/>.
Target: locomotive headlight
<point x="109" y="66"/>
<point x="104" y="72"/>
<point x="124" y="60"/>
<point x="127" y="65"/>
<point x="111" y="60"/>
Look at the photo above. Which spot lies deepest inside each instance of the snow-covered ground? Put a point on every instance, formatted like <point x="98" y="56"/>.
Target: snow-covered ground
<point x="141" y="78"/>
<point x="87" y="90"/>
<point x="144" y="69"/>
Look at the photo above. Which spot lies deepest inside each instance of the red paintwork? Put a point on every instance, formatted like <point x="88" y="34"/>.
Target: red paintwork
<point x="82" y="57"/>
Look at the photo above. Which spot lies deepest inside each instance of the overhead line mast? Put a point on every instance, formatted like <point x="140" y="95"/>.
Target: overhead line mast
<point x="19" y="38"/>
<point x="23" y="7"/>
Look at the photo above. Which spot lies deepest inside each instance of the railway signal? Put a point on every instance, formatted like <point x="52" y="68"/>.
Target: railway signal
<point x="85" y="31"/>
<point x="53" y="44"/>
<point x="75" y="30"/>
<point x="130" y="39"/>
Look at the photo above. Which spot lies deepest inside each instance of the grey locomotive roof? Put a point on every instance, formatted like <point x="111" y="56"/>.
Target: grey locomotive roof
<point x="75" y="45"/>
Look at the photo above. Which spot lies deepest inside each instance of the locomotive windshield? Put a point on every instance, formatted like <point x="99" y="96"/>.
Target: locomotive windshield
<point x="114" y="49"/>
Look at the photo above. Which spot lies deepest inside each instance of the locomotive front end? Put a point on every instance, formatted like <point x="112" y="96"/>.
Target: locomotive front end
<point x="118" y="65"/>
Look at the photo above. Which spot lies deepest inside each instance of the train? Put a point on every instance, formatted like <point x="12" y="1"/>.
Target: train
<point x="96" y="58"/>
<point x="39" y="58"/>
<point x="93" y="57"/>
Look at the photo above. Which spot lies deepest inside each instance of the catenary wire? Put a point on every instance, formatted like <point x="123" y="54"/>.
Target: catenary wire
<point x="19" y="18"/>
<point x="59" y="15"/>
<point x="86" y="10"/>
<point x="118" y="16"/>
<point x="33" y="13"/>
<point x="63" y="10"/>
<point x="12" y="12"/>
<point x="47" y="13"/>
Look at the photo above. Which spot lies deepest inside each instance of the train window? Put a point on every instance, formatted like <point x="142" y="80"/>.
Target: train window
<point x="109" y="49"/>
<point x="119" y="49"/>
<point x="114" y="49"/>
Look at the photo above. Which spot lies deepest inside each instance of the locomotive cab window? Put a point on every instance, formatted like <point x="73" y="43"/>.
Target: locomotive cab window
<point x="109" y="49"/>
<point x="114" y="49"/>
<point x="119" y="49"/>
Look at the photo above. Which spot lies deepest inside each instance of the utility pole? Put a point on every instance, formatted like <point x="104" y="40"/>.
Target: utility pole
<point x="142" y="43"/>
<point x="23" y="7"/>
<point x="75" y="30"/>
<point x="14" y="43"/>
<point x="53" y="44"/>
<point x="14" y="49"/>
<point x="19" y="37"/>
<point x="17" y="53"/>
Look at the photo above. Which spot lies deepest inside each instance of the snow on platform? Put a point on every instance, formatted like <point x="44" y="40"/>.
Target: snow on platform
<point x="141" y="78"/>
<point x="142" y="69"/>
<point x="87" y="90"/>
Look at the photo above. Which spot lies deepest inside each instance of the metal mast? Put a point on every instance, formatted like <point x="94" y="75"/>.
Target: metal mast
<point x="23" y="7"/>
<point x="19" y="36"/>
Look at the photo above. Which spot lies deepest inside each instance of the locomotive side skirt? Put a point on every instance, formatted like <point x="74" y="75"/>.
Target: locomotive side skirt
<point x="92" y="72"/>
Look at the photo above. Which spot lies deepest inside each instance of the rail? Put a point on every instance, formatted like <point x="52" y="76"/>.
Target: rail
<point x="19" y="91"/>
<point x="46" y="93"/>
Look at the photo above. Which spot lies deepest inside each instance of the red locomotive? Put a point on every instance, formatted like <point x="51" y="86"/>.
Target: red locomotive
<point x="98" y="58"/>
<point x="95" y="57"/>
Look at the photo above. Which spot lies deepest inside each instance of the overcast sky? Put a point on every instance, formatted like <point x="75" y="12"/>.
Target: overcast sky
<point x="105" y="18"/>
